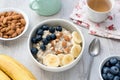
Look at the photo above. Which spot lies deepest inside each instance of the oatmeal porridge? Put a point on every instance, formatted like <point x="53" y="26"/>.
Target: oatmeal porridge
<point x="55" y="46"/>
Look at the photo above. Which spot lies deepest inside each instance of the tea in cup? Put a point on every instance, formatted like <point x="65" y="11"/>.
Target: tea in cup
<point x="46" y="7"/>
<point x="98" y="10"/>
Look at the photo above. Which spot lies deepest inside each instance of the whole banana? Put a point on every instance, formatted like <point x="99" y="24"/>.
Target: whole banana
<point x="14" y="69"/>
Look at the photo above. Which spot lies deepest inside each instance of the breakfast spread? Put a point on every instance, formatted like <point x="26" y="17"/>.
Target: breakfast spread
<point x="111" y="69"/>
<point x="55" y="46"/>
<point x="10" y="69"/>
<point x="12" y="24"/>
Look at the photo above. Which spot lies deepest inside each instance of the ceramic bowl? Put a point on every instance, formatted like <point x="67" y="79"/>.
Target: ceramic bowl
<point x="65" y="24"/>
<point x="25" y="17"/>
<point x="103" y="62"/>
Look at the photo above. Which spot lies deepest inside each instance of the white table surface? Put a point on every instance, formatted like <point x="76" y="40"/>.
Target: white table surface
<point x="18" y="48"/>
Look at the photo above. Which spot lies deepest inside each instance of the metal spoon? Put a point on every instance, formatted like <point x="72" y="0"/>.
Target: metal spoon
<point x="94" y="50"/>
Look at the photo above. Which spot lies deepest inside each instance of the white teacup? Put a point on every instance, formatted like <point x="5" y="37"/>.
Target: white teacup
<point x="97" y="16"/>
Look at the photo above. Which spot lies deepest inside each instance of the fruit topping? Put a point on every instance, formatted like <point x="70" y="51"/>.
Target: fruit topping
<point x="41" y="27"/>
<point x="51" y="60"/>
<point x="38" y="38"/>
<point x="75" y="50"/>
<point x="52" y="29"/>
<point x="53" y="36"/>
<point x="43" y="47"/>
<point x="68" y="58"/>
<point x="45" y="41"/>
<point x="45" y="27"/>
<point x="34" y="50"/>
<point x="76" y="37"/>
<point x="39" y="32"/>
<point x="48" y="38"/>
<point x="60" y="58"/>
<point x="59" y="28"/>
<point x="34" y="40"/>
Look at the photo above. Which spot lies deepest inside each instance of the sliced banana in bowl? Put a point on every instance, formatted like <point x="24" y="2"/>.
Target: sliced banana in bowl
<point x="61" y="58"/>
<point x="76" y="37"/>
<point x="75" y="50"/>
<point x="51" y="60"/>
<point x="68" y="58"/>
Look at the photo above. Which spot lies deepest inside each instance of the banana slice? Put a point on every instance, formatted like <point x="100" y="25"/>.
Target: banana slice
<point x="68" y="58"/>
<point x="76" y="37"/>
<point x="51" y="60"/>
<point x="73" y="42"/>
<point x="75" y="50"/>
<point x="61" y="58"/>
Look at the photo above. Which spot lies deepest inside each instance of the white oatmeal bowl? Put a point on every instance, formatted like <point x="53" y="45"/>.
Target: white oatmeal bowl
<point x="56" y="45"/>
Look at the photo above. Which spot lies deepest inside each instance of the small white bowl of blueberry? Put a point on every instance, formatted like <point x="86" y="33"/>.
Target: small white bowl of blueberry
<point x="110" y="68"/>
<point x="56" y="45"/>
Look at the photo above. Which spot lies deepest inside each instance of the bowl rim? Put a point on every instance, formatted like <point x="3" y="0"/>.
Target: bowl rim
<point x="103" y="62"/>
<point x="25" y="17"/>
<point x="56" y="69"/>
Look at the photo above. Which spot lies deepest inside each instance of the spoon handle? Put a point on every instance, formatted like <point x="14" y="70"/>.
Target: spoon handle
<point x="89" y="68"/>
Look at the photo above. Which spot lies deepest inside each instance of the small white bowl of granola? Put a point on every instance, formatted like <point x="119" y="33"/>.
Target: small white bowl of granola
<point x="56" y="45"/>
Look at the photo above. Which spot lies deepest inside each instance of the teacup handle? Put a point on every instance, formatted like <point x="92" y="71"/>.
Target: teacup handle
<point x="31" y="5"/>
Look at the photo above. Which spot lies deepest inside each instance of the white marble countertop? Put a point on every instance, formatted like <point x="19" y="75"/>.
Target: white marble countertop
<point x="18" y="48"/>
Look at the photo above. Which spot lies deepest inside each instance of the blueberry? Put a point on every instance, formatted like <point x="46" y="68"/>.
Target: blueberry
<point x="53" y="36"/>
<point x="45" y="41"/>
<point x="110" y="76"/>
<point x="39" y="32"/>
<point x="59" y="28"/>
<point x="34" y="40"/>
<point x="114" y="70"/>
<point x="106" y="70"/>
<point x="48" y="37"/>
<point x="43" y="47"/>
<point x="107" y="64"/>
<point x="113" y="61"/>
<point x="41" y="27"/>
<point x="52" y="29"/>
<point x="45" y="27"/>
<point x="38" y="37"/>
<point x="34" y="51"/>
<point x="116" y="78"/>
<point x="118" y="64"/>
<point x="104" y="76"/>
